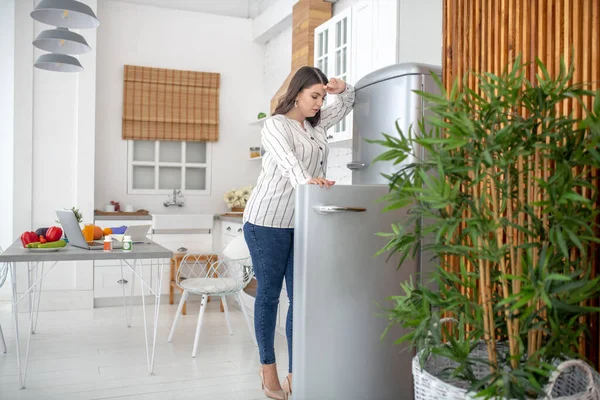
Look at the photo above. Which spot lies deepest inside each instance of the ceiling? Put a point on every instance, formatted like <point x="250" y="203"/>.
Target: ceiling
<point x="232" y="8"/>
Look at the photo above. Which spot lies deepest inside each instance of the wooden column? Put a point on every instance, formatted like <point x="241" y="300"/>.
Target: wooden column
<point x="307" y="15"/>
<point x="487" y="35"/>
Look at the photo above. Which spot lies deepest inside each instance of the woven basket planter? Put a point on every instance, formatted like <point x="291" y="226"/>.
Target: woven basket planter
<point x="573" y="380"/>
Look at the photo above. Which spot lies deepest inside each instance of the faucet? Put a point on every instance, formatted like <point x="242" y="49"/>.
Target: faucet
<point x="175" y="202"/>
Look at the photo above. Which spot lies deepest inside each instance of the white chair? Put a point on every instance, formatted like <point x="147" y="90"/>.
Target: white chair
<point x="226" y="274"/>
<point x="3" y="275"/>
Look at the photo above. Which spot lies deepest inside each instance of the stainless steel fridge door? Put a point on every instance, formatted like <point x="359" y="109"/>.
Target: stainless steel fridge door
<point x="377" y="107"/>
<point x="338" y="282"/>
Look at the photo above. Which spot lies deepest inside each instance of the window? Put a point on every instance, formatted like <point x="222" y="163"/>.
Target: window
<point x="332" y="56"/>
<point x="158" y="167"/>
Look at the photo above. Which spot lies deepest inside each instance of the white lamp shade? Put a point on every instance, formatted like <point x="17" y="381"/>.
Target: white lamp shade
<point x="65" y="14"/>
<point x="58" y="63"/>
<point x="61" y="41"/>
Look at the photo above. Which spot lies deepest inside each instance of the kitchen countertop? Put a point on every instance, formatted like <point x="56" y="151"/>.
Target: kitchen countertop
<point x="229" y="217"/>
<point x="16" y="253"/>
<point x="123" y="217"/>
<point x="221" y="217"/>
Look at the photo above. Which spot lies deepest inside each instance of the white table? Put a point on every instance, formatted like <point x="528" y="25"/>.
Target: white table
<point x="34" y="261"/>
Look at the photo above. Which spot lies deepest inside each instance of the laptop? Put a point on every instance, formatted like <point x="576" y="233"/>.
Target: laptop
<point x="73" y="231"/>
<point x="137" y="232"/>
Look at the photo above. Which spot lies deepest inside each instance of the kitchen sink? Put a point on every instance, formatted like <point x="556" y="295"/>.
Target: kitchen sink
<point x="182" y="222"/>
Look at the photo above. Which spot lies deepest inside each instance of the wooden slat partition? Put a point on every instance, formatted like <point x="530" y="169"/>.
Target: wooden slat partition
<point x="487" y="35"/>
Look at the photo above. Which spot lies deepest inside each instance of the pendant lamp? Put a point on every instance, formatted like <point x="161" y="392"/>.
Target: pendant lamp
<point x="65" y="14"/>
<point x="61" y="41"/>
<point x="58" y="63"/>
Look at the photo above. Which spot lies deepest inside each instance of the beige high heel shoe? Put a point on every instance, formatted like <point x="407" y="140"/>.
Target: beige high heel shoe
<point x="287" y="385"/>
<point x="272" y="394"/>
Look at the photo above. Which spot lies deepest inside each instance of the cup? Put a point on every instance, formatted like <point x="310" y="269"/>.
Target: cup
<point x="109" y="208"/>
<point x="88" y="232"/>
<point x="129" y="208"/>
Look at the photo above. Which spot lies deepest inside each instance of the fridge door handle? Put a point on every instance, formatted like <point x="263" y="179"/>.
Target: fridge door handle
<point x="326" y="209"/>
<point x="356" y="165"/>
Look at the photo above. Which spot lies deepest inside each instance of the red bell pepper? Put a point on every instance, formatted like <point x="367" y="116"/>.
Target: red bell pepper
<point x="53" y="234"/>
<point x="28" y="237"/>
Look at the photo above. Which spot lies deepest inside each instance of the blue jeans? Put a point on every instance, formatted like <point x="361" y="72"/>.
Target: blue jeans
<point x="272" y="252"/>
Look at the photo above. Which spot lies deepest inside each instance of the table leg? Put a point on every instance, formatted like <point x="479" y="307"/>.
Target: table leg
<point x="32" y="293"/>
<point x="13" y="277"/>
<point x="177" y="265"/>
<point x="39" y="296"/>
<point x="172" y="278"/>
<point x="128" y="309"/>
<point x="150" y="352"/>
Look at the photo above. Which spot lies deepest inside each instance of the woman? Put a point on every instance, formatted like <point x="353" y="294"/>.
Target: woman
<point x="295" y="143"/>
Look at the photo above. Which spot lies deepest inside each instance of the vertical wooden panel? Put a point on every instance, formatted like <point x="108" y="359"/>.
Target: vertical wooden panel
<point x="487" y="35"/>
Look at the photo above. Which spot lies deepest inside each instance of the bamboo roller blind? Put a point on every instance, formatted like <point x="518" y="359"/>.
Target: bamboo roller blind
<point x="487" y="35"/>
<point x="168" y="104"/>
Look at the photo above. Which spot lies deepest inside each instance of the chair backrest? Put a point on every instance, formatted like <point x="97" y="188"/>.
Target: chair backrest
<point x="237" y="249"/>
<point x="3" y="270"/>
<point x="233" y="267"/>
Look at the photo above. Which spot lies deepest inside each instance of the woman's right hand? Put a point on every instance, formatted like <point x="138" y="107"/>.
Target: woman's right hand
<point x="321" y="182"/>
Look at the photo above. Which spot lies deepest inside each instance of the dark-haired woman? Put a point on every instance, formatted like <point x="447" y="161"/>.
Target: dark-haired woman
<point x="296" y="149"/>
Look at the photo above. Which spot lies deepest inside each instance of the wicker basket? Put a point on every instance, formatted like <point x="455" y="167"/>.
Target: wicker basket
<point x="574" y="379"/>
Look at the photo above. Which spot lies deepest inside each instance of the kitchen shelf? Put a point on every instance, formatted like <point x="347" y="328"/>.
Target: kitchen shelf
<point x="255" y="158"/>
<point x="258" y="121"/>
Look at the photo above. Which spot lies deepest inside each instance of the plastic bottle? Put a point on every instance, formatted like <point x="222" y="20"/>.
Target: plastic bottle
<point x="127" y="243"/>
<point x="107" y="243"/>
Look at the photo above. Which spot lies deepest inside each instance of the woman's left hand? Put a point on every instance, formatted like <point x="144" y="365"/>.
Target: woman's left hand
<point x="335" y="86"/>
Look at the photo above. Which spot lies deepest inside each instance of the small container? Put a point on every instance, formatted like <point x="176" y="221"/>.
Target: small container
<point x="108" y="243"/>
<point x="127" y="243"/>
<point x="254" y="152"/>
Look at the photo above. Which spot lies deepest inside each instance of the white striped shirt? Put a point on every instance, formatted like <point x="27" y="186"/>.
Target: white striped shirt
<point x="293" y="156"/>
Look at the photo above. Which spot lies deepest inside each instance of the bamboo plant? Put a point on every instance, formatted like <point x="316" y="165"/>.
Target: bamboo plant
<point x="502" y="198"/>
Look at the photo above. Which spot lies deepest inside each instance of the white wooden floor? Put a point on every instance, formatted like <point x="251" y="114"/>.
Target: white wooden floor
<point x="91" y="354"/>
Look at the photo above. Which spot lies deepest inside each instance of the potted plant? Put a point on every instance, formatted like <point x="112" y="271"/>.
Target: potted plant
<point x="502" y="198"/>
<point x="236" y="199"/>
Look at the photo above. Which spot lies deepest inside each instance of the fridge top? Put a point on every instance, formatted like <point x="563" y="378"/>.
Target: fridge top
<point x="396" y="70"/>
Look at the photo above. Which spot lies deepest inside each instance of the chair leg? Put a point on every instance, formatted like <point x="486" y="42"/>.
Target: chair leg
<point x="2" y="339"/>
<point x="178" y="313"/>
<point x="238" y="297"/>
<point x="200" y="316"/>
<point x="224" y="302"/>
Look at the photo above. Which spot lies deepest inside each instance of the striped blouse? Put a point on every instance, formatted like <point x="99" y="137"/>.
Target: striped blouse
<point x="293" y="156"/>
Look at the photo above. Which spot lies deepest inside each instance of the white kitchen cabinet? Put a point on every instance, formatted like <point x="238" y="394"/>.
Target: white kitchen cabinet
<point x="355" y="42"/>
<point x="229" y="230"/>
<point x="333" y="45"/>
<point x="108" y="281"/>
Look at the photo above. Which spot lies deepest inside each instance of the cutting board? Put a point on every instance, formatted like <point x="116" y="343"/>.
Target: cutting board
<point x="120" y="213"/>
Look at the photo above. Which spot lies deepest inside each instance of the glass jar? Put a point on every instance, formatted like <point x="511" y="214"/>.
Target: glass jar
<point x="254" y="152"/>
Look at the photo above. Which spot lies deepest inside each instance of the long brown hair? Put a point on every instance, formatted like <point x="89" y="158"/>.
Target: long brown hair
<point x="304" y="78"/>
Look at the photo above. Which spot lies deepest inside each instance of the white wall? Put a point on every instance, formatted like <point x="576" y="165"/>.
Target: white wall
<point x="420" y="32"/>
<point x="7" y="71"/>
<point x="156" y="37"/>
<point x="53" y="152"/>
<point x="277" y="64"/>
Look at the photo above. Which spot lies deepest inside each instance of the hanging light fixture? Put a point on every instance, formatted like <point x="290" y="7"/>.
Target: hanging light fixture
<point x="65" y="14"/>
<point x="61" y="41"/>
<point x="58" y="63"/>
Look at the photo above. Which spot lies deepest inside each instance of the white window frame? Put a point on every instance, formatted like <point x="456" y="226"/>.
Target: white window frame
<point x="157" y="164"/>
<point x="335" y="134"/>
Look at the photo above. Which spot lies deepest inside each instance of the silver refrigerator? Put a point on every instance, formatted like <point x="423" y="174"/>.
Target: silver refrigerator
<point x="339" y="284"/>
